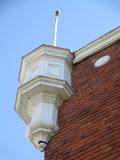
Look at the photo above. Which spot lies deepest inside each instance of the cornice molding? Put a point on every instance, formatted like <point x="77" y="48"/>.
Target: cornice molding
<point x="97" y="45"/>
<point x="45" y="52"/>
<point x="36" y="86"/>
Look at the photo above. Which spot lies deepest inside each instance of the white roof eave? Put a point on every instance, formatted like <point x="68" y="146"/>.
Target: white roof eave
<point x="97" y="45"/>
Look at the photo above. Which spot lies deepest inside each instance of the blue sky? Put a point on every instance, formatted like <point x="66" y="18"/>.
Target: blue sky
<point x="25" y="25"/>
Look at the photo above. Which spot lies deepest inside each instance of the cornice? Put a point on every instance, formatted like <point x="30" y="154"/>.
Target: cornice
<point x="50" y="50"/>
<point x="45" y="51"/>
<point x="36" y="86"/>
<point x="97" y="45"/>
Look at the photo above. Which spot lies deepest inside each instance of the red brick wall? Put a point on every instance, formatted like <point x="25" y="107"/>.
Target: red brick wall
<point x="90" y="121"/>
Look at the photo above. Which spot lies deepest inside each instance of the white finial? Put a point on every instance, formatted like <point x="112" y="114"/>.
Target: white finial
<point x="57" y="13"/>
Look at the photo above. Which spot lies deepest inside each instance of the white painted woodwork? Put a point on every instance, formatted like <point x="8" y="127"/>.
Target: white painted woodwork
<point x="97" y="45"/>
<point x="45" y="77"/>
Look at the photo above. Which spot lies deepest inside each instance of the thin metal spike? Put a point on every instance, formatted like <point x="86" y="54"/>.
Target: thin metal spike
<point x="57" y="14"/>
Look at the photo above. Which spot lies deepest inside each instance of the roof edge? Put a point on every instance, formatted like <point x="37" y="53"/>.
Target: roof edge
<point x="97" y="45"/>
<point x="45" y="45"/>
<point x="40" y="49"/>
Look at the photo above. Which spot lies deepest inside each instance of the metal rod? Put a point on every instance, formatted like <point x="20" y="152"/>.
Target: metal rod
<point x="57" y="13"/>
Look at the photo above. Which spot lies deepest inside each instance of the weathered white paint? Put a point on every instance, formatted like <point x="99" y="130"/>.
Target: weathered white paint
<point x="47" y="61"/>
<point x="44" y="118"/>
<point x="97" y="45"/>
<point x="45" y="76"/>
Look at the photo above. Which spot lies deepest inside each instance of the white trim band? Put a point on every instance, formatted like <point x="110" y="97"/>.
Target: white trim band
<point x="97" y="45"/>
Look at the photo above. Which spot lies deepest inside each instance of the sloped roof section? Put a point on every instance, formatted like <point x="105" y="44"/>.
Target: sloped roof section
<point x="97" y="45"/>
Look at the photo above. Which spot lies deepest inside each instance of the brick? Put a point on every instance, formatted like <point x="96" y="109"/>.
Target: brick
<point x="90" y="120"/>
